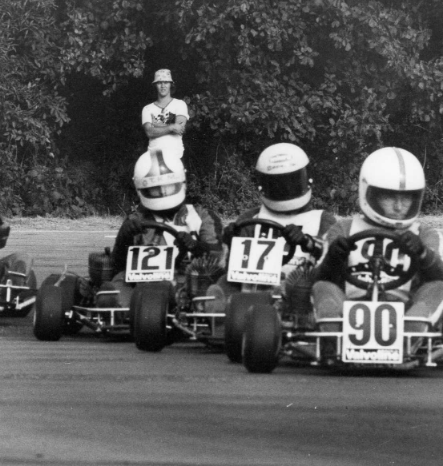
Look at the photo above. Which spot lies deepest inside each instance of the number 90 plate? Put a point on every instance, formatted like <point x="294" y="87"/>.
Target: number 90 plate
<point x="373" y="332"/>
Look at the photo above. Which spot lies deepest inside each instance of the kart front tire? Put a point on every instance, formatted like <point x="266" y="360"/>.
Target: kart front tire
<point x="261" y="340"/>
<point x="150" y="315"/>
<point x="235" y="319"/>
<point x="48" y="317"/>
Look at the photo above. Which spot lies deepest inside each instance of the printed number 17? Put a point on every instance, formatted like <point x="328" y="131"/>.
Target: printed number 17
<point x="247" y="253"/>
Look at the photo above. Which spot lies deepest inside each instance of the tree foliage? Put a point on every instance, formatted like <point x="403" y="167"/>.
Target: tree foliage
<point x="340" y="78"/>
<point x="34" y="179"/>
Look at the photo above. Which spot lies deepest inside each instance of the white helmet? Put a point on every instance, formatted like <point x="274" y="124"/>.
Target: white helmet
<point x="283" y="178"/>
<point x="391" y="170"/>
<point x="160" y="181"/>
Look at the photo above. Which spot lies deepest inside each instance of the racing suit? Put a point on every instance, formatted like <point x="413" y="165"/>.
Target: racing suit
<point x="422" y="295"/>
<point x="202" y="224"/>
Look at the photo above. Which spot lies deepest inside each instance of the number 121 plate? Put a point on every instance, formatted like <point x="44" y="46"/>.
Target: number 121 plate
<point x="150" y="263"/>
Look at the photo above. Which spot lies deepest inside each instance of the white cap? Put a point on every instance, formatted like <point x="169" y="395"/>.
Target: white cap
<point x="162" y="75"/>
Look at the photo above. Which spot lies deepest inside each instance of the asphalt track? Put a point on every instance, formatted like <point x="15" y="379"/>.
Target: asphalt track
<point x="91" y="401"/>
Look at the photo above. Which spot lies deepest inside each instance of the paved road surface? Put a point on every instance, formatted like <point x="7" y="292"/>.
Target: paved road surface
<point x="89" y="401"/>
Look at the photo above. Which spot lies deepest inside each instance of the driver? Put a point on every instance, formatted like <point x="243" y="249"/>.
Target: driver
<point x="391" y="189"/>
<point x="286" y="199"/>
<point x="160" y="181"/>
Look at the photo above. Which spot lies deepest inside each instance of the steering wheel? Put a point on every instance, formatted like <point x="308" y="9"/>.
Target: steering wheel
<point x="378" y="262"/>
<point x="160" y="228"/>
<point x="269" y="224"/>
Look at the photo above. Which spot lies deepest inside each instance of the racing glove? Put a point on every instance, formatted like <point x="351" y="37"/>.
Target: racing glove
<point x="339" y="250"/>
<point x="293" y="234"/>
<point x="131" y="227"/>
<point x="411" y="243"/>
<point x="186" y="241"/>
<point x="4" y="233"/>
<point x="228" y="233"/>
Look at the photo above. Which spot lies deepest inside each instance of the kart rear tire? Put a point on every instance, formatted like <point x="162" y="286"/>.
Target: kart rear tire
<point x="150" y="316"/>
<point x="261" y="340"/>
<point x="236" y="310"/>
<point x="69" y="291"/>
<point x="133" y="305"/>
<point x="68" y="287"/>
<point x="48" y="317"/>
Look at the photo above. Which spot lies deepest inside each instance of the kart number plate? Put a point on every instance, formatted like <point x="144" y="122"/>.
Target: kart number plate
<point x="150" y="263"/>
<point x="373" y="332"/>
<point x="255" y="261"/>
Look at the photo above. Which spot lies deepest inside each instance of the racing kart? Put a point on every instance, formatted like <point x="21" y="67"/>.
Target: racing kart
<point x="17" y="300"/>
<point x="62" y="309"/>
<point x="170" y="307"/>
<point x="253" y="280"/>
<point x="154" y="317"/>
<point x="373" y="332"/>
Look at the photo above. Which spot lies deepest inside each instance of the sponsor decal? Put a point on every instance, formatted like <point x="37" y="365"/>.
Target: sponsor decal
<point x="372" y="355"/>
<point x="254" y="277"/>
<point x="149" y="276"/>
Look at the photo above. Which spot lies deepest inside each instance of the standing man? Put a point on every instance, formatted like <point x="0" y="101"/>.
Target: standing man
<point x="164" y="120"/>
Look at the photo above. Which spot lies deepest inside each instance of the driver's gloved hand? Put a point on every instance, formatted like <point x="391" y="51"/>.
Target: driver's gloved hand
<point x="340" y="249"/>
<point x="185" y="241"/>
<point x="131" y="227"/>
<point x="293" y="234"/>
<point x="411" y="243"/>
<point x="228" y="233"/>
<point x="4" y="233"/>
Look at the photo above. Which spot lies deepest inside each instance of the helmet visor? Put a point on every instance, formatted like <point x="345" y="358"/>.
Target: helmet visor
<point x="284" y="186"/>
<point x="395" y="205"/>
<point x="156" y="192"/>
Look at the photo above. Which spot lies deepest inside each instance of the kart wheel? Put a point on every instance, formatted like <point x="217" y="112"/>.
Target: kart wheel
<point x="68" y="287"/>
<point x="150" y="333"/>
<point x="236" y="310"/>
<point x="133" y="305"/>
<point x="48" y="317"/>
<point x="261" y="340"/>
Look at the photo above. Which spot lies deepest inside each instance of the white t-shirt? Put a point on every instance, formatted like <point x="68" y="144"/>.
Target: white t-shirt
<point x="158" y="116"/>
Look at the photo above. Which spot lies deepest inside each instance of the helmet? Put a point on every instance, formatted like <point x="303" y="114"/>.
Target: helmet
<point x="162" y="76"/>
<point x="160" y="181"/>
<point x="282" y="177"/>
<point x="388" y="172"/>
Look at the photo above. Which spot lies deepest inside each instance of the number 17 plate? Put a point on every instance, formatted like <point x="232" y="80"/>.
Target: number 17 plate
<point x="150" y="263"/>
<point x="255" y="260"/>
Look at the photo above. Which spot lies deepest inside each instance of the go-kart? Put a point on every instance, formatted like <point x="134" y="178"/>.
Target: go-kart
<point x="17" y="294"/>
<point x="373" y="331"/>
<point x="153" y="318"/>
<point x="61" y="308"/>
<point x="253" y="280"/>
<point x="169" y="307"/>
